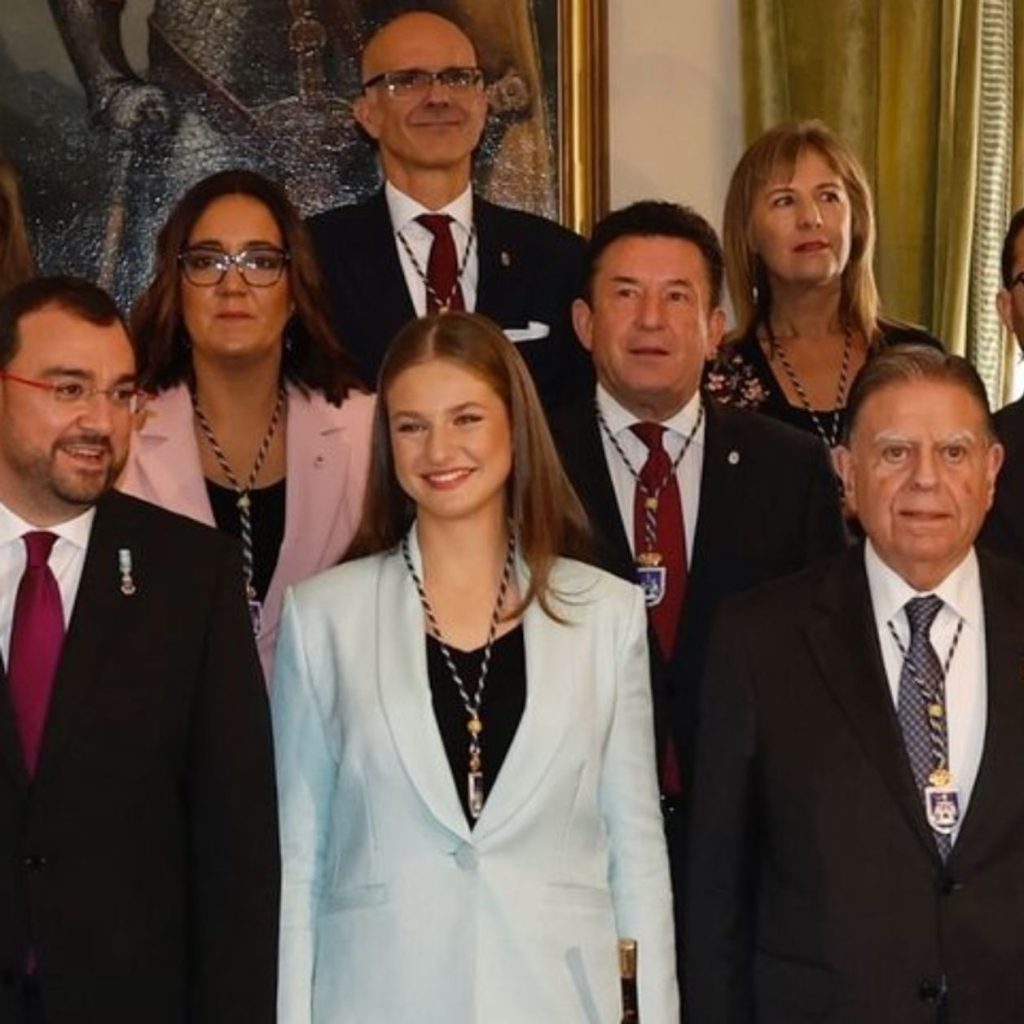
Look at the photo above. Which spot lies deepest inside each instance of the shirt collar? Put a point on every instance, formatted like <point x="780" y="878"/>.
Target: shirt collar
<point x="76" y="531"/>
<point x="620" y="419"/>
<point x="961" y="589"/>
<point x="404" y="209"/>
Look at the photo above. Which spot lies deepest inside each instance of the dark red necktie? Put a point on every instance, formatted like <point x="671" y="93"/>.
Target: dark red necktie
<point x="443" y="289"/>
<point x="37" y="636"/>
<point x="658" y="504"/>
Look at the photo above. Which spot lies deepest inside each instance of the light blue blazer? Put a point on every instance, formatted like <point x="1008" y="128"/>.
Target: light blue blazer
<point x="393" y="910"/>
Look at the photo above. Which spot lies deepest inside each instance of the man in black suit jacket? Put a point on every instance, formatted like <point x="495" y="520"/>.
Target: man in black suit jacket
<point x="520" y="270"/>
<point x="138" y="842"/>
<point x="1003" y="532"/>
<point x="759" y="498"/>
<point x="858" y="827"/>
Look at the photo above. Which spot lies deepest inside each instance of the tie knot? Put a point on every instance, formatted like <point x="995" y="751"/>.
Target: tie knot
<point x="38" y="545"/>
<point x="435" y="223"/>
<point x="921" y="612"/>
<point x="650" y="433"/>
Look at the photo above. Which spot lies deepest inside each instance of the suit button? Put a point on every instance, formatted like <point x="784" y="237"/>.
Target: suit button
<point x="931" y="990"/>
<point x="33" y="862"/>
<point x="466" y="858"/>
<point x="948" y="886"/>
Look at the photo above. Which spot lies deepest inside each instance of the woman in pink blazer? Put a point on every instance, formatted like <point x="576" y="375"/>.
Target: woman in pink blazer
<point x="257" y="425"/>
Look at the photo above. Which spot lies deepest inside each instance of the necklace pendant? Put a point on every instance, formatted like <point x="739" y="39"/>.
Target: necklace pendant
<point x="243" y="502"/>
<point x="475" y="793"/>
<point x="475" y="727"/>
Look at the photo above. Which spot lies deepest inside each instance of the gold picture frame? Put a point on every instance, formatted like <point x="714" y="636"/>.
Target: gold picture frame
<point x="583" y="112"/>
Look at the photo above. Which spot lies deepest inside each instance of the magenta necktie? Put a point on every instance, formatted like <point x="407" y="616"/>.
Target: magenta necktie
<point x="443" y="289"/>
<point x="662" y="508"/>
<point x="37" y="635"/>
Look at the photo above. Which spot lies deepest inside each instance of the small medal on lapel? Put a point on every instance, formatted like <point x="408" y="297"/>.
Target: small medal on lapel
<point x="651" y="575"/>
<point x="506" y="258"/>
<point x="124" y="567"/>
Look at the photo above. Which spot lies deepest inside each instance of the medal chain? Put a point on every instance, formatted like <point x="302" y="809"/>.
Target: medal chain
<point x="651" y="495"/>
<point x="474" y="723"/>
<point x="243" y="502"/>
<point x="935" y="701"/>
<point x="830" y="437"/>
<point x="442" y="305"/>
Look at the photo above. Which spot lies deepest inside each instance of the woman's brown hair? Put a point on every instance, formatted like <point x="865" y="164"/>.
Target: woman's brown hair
<point x="313" y="359"/>
<point x="546" y="515"/>
<point x="16" y="262"/>
<point x="772" y="157"/>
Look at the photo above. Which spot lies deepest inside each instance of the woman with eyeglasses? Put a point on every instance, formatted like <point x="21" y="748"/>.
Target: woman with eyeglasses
<point x="257" y="425"/>
<point x="463" y="728"/>
<point x="16" y="261"/>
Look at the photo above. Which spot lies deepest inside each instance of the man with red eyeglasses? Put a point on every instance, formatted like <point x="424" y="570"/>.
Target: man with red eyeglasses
<point x="138" y="838"/>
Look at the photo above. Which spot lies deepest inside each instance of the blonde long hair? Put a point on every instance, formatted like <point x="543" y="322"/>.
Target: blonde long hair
<point x="770" y="157"/>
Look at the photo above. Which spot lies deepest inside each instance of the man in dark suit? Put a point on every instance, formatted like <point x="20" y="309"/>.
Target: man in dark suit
<point x="138" y="843"/>
<point x="426" y="241"/>
<point x="858" y="827"/>
<point x="756" y="498"/>
<point x="1003" y="532"/>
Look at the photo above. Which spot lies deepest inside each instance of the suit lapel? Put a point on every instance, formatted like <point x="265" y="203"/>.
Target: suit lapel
<point x="550" y="685"/>
<point x="318" y="472"/>
<point x="499" y="279"/>
<point x="995" y="802"/>
<point x="720" y="502"/>
<point x="165" y="467"/>
<point x="405" y="691"/>
<point x="844" y="640"/>
<point x="101" y="616"/>
<point x="10" y="743"/>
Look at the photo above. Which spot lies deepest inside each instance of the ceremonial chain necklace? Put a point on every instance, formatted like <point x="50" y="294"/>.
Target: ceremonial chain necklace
<point x="442" y="305"/>
<point x="474" y="723"/>
<point x="831" y="436"/>
<point x="935" y="703"/>
<point x="652" y="494"/>
<point x="243" y="501"/>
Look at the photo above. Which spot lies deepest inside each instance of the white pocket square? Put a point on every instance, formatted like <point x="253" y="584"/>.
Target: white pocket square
<point x="533" y="331"/>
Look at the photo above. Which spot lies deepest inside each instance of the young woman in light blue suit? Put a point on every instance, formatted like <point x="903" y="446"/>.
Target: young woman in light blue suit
<point x="469" y="809"/>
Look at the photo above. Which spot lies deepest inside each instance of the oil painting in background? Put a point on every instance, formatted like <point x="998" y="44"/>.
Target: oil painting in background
<point x="110" y="109"/>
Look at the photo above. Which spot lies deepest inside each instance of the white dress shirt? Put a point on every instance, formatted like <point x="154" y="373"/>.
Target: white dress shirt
<point x="66" y="561"/>
<point x="966" y="688"/>
<point x="404" y="210"/>
<point x="678" y="427"/>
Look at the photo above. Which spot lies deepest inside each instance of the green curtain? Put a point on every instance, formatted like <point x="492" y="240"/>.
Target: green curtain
<point x="913" y="86"/>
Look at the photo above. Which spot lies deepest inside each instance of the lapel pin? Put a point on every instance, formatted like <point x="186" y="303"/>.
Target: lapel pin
<point x="733" y="457"/>
<point x="124" y="567"/>
<point x="506" y="258"/>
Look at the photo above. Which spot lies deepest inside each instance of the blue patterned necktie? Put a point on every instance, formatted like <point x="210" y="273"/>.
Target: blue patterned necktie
<point x="920" y="662"/>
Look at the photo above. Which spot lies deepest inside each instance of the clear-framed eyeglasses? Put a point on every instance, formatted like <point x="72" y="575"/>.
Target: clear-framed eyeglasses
<point x="71" y="391"/>
<point x="259" y="267"/>
<point x="410" y="82"/>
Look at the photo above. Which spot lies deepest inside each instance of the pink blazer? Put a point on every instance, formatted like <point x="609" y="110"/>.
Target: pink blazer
<point x="327" y="451"/>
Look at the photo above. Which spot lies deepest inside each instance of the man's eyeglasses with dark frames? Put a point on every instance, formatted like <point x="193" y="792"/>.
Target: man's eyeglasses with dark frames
<point x="417" y="81"/>
<point x="259" y="268"/>
<point x="123" y="397"/>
